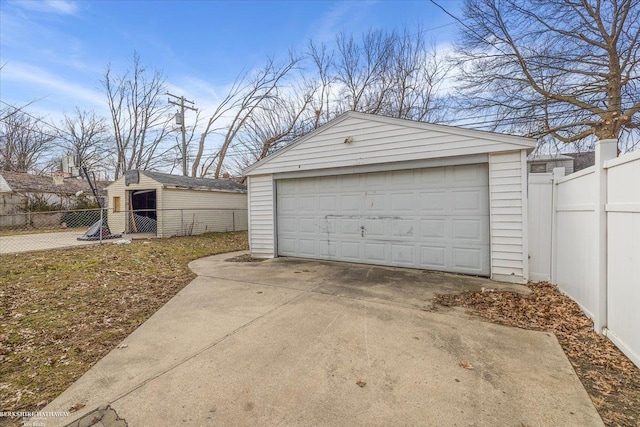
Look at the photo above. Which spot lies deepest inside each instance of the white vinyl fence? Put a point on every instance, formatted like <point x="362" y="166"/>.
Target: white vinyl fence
<point x="585" y="230"/>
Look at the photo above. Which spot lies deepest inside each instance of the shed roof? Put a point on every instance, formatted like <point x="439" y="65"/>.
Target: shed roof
<point x="375" y="139"/>
<point x="187" y="182"/>
<point x="27" y="183"/>
<point x="547" y="157"/>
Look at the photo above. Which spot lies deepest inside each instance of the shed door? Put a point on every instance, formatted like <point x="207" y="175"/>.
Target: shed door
<point x="432" y="218"/>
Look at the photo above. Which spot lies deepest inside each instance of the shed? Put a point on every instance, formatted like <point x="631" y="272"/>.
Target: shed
<point x="174" y="205"/>
<point x="370" y="189"/>
<point x="545" y="163"/>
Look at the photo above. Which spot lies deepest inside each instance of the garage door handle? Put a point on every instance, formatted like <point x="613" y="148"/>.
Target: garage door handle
<point x="362" y="230"/>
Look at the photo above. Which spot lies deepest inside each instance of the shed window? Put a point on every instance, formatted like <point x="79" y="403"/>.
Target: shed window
<point x="116" y="204"/>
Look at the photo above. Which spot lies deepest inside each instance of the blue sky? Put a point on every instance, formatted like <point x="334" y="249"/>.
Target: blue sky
<point x="55" y="51"/>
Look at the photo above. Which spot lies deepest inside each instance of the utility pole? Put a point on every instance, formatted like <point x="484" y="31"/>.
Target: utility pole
<point x="180" y="102"/>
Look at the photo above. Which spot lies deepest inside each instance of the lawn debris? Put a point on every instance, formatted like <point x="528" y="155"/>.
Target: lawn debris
<point x="610" y="378"/>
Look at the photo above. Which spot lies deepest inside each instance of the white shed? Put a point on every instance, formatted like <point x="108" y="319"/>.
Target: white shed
<point x="377" y="190"/>
<point x="175" y="205"/>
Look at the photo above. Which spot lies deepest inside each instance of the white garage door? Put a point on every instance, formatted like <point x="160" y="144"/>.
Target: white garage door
<point x="433" y="218"/>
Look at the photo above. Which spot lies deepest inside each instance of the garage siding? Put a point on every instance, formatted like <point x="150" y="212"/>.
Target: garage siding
<point x="377" y="140"/>
<point x="261" y="216"/>
<point x="508" y="216"/>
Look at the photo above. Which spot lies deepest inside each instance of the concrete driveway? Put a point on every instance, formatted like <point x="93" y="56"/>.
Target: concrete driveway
<point x="298" y="342"/>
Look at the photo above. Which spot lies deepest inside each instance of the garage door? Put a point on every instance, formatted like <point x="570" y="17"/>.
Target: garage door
<point x="432" y="218"/>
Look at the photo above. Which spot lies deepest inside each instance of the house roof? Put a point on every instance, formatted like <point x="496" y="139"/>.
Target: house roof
<point x="26" y="183"/>
<point x="484" y="141"/>
<point x="187" y="182"/>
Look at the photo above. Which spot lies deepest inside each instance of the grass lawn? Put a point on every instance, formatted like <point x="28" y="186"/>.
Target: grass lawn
<point x="61" y="311"/>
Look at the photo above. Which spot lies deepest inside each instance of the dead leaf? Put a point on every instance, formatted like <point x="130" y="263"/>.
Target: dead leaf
<point x="466" y="364"/>
<point x="76" y="407"/>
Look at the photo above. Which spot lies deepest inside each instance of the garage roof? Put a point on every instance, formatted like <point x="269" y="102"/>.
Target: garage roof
<point x="356" y="139"/>
<point x="187" y="182"/>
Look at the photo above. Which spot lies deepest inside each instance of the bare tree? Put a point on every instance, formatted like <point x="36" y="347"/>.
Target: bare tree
<point x="24" y="144"/>
<point x="85" y="136"/>
<point x="416" y="73"/>
<point x="279" y="121"/>
<point x="248" y="92"/>
<point x="565" y="68"/>
<point x="139" y="116"/>
<point x="361" y="67"/>
<point x="322" y="83"/>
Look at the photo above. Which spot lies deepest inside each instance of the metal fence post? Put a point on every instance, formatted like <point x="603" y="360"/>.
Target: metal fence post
<point x="182" y="222"/>
<point x="101" y="223"/>
<point x="233" y="214"/>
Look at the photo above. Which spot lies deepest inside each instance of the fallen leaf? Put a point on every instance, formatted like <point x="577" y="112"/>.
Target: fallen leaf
<point x="466" y="364"/>
<point x="76" y="407"/>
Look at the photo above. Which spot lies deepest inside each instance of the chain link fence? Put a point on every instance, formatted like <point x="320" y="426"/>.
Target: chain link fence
<point x="30" y="231"/>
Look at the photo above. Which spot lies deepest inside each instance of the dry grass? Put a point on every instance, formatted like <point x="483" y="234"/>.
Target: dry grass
<point x="612" y="381"/>
<point x="63" y="310"/>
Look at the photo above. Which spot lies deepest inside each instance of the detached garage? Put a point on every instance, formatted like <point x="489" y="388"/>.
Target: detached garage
<point x="174" y="205"/>
<point x="377" y="190"/>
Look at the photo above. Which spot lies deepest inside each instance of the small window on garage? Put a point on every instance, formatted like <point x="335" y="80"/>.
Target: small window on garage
<point x="116" y="204"/>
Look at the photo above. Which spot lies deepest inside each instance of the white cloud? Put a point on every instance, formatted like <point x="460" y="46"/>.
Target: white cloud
<point x="61" y="7"/>
<point x="73" y="93"/>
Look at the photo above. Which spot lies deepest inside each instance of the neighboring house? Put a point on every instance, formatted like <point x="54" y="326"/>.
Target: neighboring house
<point x="16" y="189"/>
<point x="545" y="163"/>
<point x="169" y="205"/>
<point x="378" y="190"/>
<point x="571" y="162"/>
<point x="582" y="160"/>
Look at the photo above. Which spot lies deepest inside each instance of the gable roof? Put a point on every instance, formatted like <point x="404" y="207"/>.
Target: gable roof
<point x="26" y="183"/>
<point x="388" y="136"/>
<point x="187" y="182"/>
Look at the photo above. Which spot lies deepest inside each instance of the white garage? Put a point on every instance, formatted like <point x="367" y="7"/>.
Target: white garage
<point x="377" y="190"/>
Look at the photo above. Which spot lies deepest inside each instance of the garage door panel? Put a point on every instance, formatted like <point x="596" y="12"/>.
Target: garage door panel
<point x="308" y="226"/>
<point x="376" y="202"/>
<point x="468" y="229"/>
<point x="350" y="227"/>
<point x="432" y="177"/>
<point x="351" y="251"/>
<point x="468" y="259"/>
<point x="433" y="202"/>
<point x="287" y="224"/>
<point x="402" y="202"/>
<point x="433" y="257"/>
<point x="376" y="252"/>
<point x="307" y="247"/>
<point x="376" y="227"/>
<point x="350" y="203"/>
<point x="403" y="255"/>
<point x="435" y="218"/>
<point x="288" y="246"/>
<point x="327" y="203"/>
<point x="327" y="249"/>
<point x="403" y="228"/>
<point x="432" y="228"/>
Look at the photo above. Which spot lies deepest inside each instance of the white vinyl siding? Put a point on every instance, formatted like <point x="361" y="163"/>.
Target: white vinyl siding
<point x="261" y="216"/>
<point x="378" y="140"/>
<point x="507" y="196"/>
